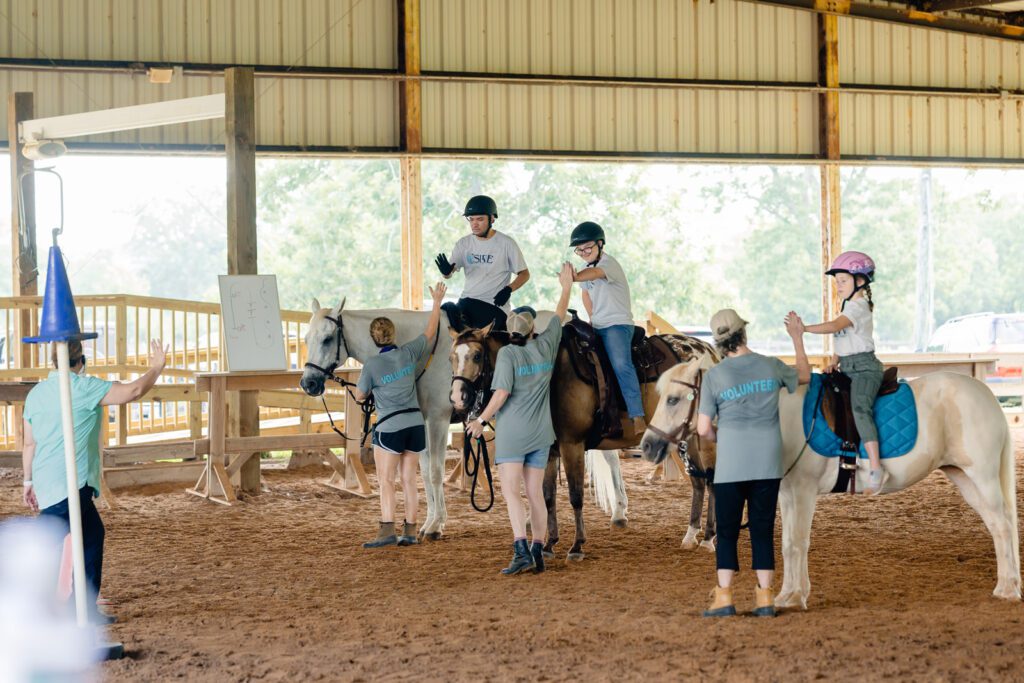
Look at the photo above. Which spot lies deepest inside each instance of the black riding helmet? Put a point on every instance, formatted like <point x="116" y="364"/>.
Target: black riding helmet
<point x="587" y="231"/>
<point x="481" y="205"/>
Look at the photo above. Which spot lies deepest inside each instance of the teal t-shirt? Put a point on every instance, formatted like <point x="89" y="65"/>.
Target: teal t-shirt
<point x="743" y="392"/>
<point x="391" y="377"/>
<point x="42" y="410"/>
<point x="524" y="422"/>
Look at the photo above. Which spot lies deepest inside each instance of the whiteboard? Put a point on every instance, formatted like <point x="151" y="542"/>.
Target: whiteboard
<point x="251" y="319"/>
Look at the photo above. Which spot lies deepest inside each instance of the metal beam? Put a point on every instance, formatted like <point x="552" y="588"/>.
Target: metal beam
<point x="908" y="16"/>
<point x="957" y="5"/>
<point x="239" y="101"/>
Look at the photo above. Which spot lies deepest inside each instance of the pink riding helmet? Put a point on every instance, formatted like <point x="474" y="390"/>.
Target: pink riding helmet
<point x="854" y="263"/>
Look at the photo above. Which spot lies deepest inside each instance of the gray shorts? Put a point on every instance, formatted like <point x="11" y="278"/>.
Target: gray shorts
<point x="865" y="372"/>
<point x="537" y="459"/>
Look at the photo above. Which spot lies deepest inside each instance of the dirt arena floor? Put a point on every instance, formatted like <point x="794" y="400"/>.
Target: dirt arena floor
<point x="278" y="589"/>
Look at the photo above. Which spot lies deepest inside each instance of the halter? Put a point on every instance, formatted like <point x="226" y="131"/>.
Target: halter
<point x="682" y="433"/>
<point x="328" y="372"/>
<point x="486" y="371"/>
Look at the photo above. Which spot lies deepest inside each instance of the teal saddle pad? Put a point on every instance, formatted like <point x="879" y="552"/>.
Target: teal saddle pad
<point x="895" y="418"/>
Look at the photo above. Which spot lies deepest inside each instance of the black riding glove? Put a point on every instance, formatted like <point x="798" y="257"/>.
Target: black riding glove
<point x="444" y="265"/>
<point x="502" y="297"/>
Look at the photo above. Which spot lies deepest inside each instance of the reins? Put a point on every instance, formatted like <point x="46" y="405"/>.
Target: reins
<point x="681" y="434"/>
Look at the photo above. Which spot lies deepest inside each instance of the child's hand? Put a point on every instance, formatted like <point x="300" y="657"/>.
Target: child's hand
<point x="833" y="365"/>
<point x="567" y="275"/>
<point x="794" y="325"/>
<point x="437" y="293"/>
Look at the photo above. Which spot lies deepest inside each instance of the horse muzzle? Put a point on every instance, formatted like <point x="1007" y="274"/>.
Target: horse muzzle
<point x="314" y="386"/>
<point x="654" y="448"/>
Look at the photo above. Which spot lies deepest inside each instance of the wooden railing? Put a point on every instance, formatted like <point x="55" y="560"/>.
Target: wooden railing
<point x="126" y="324"/>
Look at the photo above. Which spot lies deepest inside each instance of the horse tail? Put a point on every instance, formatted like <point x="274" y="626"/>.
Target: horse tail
<point x="1008" y="481"/>
<point x="602" y="485"/>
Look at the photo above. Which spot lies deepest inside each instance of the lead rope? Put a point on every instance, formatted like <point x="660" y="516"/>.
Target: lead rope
<point x="469" y="455"/>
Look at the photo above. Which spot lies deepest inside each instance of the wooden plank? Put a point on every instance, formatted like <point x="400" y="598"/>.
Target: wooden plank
<point x="24" y="259"/>
<point x="828" y="142"/>
<point x="15" y="392"/>
<point x="240" y="149"/>
<point x="412" y="232"/>
<point x="147" y="452"/>
<point x="11" y="459"/>
<point x="152" y="473"/>
<point x="214" y="484"/>
<point x="282" y="443"/>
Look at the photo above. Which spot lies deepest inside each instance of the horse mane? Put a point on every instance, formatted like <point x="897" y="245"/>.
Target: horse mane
<point x="700" y="352"/>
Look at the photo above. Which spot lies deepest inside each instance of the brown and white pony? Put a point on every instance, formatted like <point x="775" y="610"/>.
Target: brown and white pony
<point x="574" y="404"/>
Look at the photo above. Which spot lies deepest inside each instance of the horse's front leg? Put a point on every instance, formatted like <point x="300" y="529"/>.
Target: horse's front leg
<point x="697" y="486"/>
<point x="550" y="496"/>
<point x="432" y="469"/>
<point x="711" y="528"/>
<point x="575" y="471"/>
<point x="797" y="499"/>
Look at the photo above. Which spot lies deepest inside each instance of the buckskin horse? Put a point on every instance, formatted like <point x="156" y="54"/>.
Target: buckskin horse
<point x="574" y="405"/>
<point x="962" y="431"/>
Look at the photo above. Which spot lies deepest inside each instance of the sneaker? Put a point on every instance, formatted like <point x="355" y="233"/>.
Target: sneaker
<point x="876" y="479"/>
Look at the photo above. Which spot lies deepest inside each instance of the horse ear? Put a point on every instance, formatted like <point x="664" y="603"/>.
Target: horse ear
<point x="453" y="333"/>
<point x="484" y="331"/>
<point x="337" y="311"/>
<point x="707" y="361"/>
<point x="316" y="306"/>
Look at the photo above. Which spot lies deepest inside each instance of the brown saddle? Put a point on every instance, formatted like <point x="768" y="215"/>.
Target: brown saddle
<point x="651" y="357"/>
<point x="837" y="407"/>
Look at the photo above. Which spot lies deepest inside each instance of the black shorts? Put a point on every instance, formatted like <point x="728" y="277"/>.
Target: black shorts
<point x="409" y="439"/>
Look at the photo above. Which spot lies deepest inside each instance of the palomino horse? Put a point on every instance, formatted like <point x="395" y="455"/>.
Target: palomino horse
<point x="963" y="432"/>
<point x="574" y="404"/>
<point x="332" y="340"/>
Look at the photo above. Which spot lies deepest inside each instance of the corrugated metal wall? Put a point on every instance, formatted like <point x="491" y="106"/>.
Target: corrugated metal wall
<point x="560" y="40"/>
<point x="321" y="33"/>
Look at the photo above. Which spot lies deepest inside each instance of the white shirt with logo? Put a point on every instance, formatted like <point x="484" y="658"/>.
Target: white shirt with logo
<point x="489" y="264"/>
<point x="609" y="296"/>
<point x="859" y="337"/>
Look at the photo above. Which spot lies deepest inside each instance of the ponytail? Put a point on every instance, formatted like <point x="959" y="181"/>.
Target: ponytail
<point x="867" y="293"/>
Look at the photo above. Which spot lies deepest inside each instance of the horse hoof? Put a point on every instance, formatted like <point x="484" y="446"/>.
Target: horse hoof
<point x="708" y="545"/>
<point x="575" y="557"/>
<point x="689" y="544"/>
<point x="434" y="536"/>
<point x="620" y="523"/>
<point x="783" y="600"/>
<point x="548" y="555"/>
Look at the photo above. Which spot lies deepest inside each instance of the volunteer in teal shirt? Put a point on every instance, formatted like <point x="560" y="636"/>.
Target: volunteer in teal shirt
<point x="399" y="436"/>
<point x="46" y="489"/>
<point x="523" y="432"/>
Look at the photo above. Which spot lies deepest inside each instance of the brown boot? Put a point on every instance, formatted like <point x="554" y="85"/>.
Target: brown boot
<point x="639" y="426"/>
<point x="764" y="602"/>
<point x="721" y="603"/>
<point x="385" y="536"/>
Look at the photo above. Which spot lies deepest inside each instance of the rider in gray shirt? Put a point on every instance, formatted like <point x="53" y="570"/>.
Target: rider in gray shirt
<point x="524" y="434"/>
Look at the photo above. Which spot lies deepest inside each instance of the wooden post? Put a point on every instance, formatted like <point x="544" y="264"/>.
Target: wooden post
<point x="121" y="358"/>
<point x="411" y="141"/>
<point x="240" y="148"/>
<point x="828" y="130"/>
<point x="24" y="261"/>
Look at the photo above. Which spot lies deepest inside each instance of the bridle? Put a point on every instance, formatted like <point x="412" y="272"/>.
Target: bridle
<point x="482" y="380"/>
<point x="681" y="434"/>
<point x="328" y="372"/>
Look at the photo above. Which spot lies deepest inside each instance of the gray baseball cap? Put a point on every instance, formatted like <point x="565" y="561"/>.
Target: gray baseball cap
<point x="520" y="321"/>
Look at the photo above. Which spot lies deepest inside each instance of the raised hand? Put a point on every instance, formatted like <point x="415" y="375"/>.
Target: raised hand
<point x="794" y="324"/>
<point x="567" y="275"/>
<point x="157" y="354"/>
<point x="444" y="265"/>
<point x="437" y="293"/>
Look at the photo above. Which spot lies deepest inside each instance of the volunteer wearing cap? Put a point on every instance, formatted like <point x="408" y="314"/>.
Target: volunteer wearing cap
<point x="46" y="485"/>
<point x="491" y="259"/>
<point x="523" y="432"/>
<point x="606" y="298"/>
<point x="743" y="393"/>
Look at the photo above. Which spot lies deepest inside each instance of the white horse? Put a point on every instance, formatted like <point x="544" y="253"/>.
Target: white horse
<point x="331" y="340"/>
<point x="962" y="431"/>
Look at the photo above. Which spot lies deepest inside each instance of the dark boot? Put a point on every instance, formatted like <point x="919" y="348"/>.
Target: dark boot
<point x="521" y="559"/>
<point x="408" y="536"/>
<point x="537" y="550"/>
<point x="385" y="536"/>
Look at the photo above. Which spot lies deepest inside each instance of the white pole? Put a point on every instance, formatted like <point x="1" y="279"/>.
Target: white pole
<point x="71" y="465"/>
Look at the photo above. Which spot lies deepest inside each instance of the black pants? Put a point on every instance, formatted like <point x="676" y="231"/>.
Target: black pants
<point x="477" y="314"/>
<point x="761" y="497"/>
<point x="92" y="533"/>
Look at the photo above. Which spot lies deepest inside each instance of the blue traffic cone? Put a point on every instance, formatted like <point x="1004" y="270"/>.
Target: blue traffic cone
<point x="60" y="319"/>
